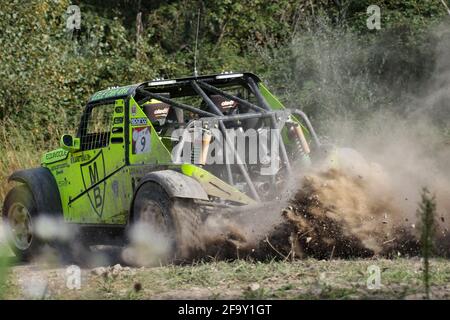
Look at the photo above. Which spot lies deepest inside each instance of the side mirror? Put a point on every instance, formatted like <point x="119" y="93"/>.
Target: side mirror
<point x="69" y="143"/>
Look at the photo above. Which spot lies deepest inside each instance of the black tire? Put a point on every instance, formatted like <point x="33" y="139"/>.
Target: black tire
<point x="19" y="214"/>
<point x="176" y="219"/>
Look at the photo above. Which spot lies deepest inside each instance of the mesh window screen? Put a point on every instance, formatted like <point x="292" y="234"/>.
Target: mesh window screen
<point x="96" y="127"/>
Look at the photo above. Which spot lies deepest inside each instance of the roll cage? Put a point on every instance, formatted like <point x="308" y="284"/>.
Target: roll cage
<point x="252" y="104"/>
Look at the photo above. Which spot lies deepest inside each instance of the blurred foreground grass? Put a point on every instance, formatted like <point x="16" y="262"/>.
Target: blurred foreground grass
<point x="305" y="279"/>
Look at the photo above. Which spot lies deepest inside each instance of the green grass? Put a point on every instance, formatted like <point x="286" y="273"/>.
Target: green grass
<point x="306" y="279"/>
<point x="18" y="151"/>
<point x="4" y="269"/>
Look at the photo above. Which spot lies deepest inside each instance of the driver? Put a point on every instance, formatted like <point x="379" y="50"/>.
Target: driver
<point x="156" y="112"/>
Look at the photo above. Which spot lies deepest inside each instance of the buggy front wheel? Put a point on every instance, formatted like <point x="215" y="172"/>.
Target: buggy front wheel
<point x="19" y="213"/>
<point x="173" y="222"/>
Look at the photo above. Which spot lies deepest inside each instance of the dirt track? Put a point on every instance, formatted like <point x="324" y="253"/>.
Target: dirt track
<point x="303" y="279"/>
<point x="331" y="215"/>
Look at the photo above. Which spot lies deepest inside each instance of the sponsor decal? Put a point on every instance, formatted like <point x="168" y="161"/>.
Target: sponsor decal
<point x="227" y="104"/>
<point x="139" y="122"/>
<point x="59" y="169"/>
<point x="222" y="103"/>
<point x="156" y="113"/>
<point x="161" y="112"/>
<point x="141" y="140"/>
<point x="56" y="155"/>
<point x="93" y="174"/>
<point x="110" y="93"/>
<point x="63" y="183"/>
<point x="60" y="166"/>
<point x="80" y="158"/>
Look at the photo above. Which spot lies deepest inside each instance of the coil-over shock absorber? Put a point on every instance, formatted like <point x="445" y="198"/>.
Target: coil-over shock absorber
<point x="202" y="137"/>
<point x="206" y="141"/>
<point x="301" y="145"/>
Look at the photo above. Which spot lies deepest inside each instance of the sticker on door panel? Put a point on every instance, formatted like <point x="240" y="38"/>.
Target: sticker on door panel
<point x="141" y="140"/>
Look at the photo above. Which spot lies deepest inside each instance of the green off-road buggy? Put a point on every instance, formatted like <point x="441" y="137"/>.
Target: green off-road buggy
<point x="160" y="152"/>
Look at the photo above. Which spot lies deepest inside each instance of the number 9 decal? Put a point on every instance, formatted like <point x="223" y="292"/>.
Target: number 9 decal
<point x="141" y="140"/>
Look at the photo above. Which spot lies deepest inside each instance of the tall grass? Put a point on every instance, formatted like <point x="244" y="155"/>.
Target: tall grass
<point x="4" y="269"/>
<point x="427" y="212"/>
<point x="21" y="149"/>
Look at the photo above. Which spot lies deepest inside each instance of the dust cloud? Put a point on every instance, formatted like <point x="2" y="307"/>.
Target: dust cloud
<point x="362" y="199"/>
<point x="347" y="205"/>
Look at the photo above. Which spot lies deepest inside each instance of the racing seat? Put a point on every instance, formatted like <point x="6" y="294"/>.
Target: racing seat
<point x="231" y="107"/>
<point x="156" y="111"/>
<point x="163" y="117"/>
<point x="225" y="105"/>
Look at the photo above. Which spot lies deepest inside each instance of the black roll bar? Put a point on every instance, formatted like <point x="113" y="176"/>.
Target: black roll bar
<point x="216" y="90"/>
<point x="217" y="115"/>
<point x="273" y="121"/>
<point x="241" y="167"/>
<point x="151" y="95"/>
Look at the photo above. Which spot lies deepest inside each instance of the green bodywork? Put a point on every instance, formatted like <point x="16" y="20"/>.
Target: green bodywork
<point x="97" y="186"/>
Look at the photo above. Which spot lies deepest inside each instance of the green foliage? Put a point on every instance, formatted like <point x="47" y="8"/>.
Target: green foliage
<point x="318" y="55"/>
<point x="49" y="74"/>
<point x="427" y="213"/>
<point x="394" y="13"/>
<point x="4" y="268"/>
<point x="333" y="72"/>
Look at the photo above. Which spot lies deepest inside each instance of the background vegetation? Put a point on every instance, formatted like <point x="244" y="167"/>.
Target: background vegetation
<point x="318" y="55"/>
